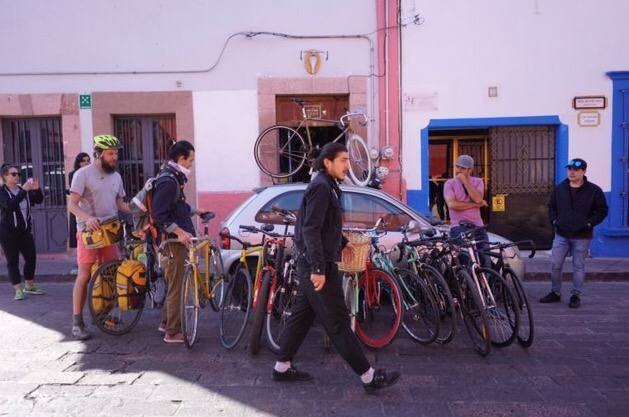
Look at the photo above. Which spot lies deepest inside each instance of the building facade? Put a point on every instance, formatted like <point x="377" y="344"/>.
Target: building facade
<point x="436" y="79"/>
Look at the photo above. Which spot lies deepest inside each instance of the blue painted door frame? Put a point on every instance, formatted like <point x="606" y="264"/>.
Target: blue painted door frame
<point x="418" y="199"/>
<point x="612" y="237"/>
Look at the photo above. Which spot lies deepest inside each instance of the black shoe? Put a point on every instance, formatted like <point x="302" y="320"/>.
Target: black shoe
<point x="381" y="379"/>
<point x="551" y="297"/>
<point x="575" y="301"/>
<point x="291" y="375"/>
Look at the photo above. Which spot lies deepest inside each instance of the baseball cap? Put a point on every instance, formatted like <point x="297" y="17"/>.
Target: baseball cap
<point x="577" y="163"/>
<point x="465" y="161"/>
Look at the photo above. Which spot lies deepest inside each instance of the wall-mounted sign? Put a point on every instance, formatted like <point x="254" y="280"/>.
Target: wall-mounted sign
<point x="589" y="102"/>
<point x="313" y="111"/>
<point x="498" y="202"/>
<point x="85" y="101"/>
<point x="589" y="118"/>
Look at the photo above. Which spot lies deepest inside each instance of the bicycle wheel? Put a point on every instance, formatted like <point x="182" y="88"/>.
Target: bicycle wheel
<point x="379" y="314"/>
<point x="421" y="314"/>
<point x="103" y="302"/>
<point x="526" y="331"/>
<point x="217" y="278"/>
<point x="503" y="313"/>
<point x="280" y="151"/>
<point x="474" y="315"/>
<point x="445" y="303"/>
<point x="360" y="166"/>
<point x="260" y="312"/>
<point x="191" y="294"/>
<point x="235" y="307"/>
<point x="282" y="300"/>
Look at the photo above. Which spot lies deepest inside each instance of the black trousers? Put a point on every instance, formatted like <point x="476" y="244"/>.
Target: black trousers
<point x="328" y="305"/>
<point x="14" y="245"/>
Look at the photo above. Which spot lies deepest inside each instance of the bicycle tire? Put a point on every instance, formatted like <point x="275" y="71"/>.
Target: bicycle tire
<point x="421" y="319"/>
<point x="267" y="154"/>
<point x="235" y="308"/>
<point x="282" y="300"/>
<point x="526" y="331"/>
<point x="504" y="317"/>
<point x="366" y="323"/>
<point x="445" y="302"/>
<point x="474" y="316"/>
<point x="110" y="320"/>
<point x="190" y="307"/>
<point x="360" y="164"/>
<point x="217" y="279"/>
<point x="260" y="313"/>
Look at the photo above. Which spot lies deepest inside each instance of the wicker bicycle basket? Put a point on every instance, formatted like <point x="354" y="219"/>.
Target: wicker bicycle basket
<point x="355" y="260"/>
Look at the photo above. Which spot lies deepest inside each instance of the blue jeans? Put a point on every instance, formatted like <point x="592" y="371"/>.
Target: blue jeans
<point x="579" y="250"/>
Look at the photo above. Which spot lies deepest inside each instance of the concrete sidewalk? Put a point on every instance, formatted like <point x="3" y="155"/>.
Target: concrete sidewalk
<point x="63" y="268"/>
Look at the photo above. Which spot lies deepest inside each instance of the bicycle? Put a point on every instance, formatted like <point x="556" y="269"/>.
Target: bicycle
<point x="102" y="287"/>
<point x="281" y="151"/>
<point x="421" y="315"/>
<point x="237" y="301"/>
<point x="497" y="299"/>
<point x="199" y="289"/>
<point x="269" y="278"/>
<point x="417" y="259"/>
<point x="500" y="263"/>
<point x="283" y="289"/>
<point x="465" y="291"/>
<point x="372" y="295"/>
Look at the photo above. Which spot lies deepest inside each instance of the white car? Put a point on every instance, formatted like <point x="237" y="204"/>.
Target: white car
<point x="362" y="208"/>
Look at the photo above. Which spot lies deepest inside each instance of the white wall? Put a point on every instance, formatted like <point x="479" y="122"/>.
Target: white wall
<point x="140" y="35"/>
<point x="540" y="54"/>
<point x="225" y="128"/>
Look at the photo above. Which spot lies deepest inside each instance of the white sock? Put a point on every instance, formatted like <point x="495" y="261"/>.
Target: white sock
<point x="282" y="367"/>
<point x="367" y="377"/>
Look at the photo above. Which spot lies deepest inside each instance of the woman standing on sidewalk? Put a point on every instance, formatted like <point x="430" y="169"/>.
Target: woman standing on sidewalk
<point x="16" y="228"/>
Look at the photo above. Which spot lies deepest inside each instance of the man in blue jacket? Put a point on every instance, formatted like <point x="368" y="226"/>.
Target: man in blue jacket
<point x="576" y="206"/>
<point x="172" y="215"/>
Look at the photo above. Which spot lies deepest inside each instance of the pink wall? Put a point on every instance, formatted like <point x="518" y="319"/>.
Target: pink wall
<point x="388" y="58"/>
<point x="221" y="203"/>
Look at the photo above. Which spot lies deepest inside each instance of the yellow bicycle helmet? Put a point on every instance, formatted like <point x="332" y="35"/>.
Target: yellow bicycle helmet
<point x="103" y="142"/>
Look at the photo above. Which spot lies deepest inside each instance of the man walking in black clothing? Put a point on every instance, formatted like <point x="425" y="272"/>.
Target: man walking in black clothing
<point x="319" y="242"/>
<point x="576" y="206"/>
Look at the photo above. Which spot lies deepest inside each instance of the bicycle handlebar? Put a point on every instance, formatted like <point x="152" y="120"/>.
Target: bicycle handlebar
<point x="188" y="245"/>
<point x="349" y="115"/>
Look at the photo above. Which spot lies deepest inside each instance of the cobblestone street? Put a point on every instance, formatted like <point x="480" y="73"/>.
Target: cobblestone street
<point x="578" y="366"/>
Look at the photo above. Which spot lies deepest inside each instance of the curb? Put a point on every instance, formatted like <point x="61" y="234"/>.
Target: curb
<point x="589" y="276"/>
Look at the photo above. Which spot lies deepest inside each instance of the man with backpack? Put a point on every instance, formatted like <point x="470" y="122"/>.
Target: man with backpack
<point x="171" y="214"/>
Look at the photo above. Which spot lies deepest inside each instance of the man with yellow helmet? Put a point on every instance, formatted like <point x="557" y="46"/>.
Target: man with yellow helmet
<point x="96" y="195"/>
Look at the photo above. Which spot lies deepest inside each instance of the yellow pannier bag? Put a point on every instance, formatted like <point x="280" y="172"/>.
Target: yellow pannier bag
<point x="109" y="233"/>
<point x="130" y="284"/>
<point x="102" y="294"/>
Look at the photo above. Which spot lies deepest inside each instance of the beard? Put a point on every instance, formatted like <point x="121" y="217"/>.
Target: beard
<point x="108" y="167"/>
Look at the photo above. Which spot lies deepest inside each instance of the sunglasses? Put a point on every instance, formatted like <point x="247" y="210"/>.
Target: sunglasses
<point x="576" y="164"/>
<point x="14" y="174"/>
